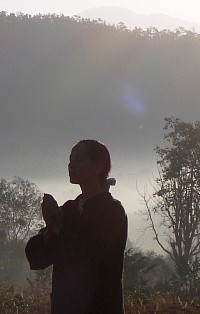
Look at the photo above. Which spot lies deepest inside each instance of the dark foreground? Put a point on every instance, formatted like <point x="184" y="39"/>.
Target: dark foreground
<point x="35" y="299"/>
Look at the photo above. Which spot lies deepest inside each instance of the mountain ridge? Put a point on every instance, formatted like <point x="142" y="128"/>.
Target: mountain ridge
<point x="131" y="19"/>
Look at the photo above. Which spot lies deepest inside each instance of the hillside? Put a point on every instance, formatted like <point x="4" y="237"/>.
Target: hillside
<point x="131" y="20"/>
<point x="63" y="78"/>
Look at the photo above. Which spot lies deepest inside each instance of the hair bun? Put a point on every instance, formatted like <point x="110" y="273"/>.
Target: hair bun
<point x="111" y="181"/>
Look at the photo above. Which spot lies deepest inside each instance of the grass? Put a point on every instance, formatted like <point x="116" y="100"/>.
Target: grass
<point x="160" y="303"/>
<point x="34" y="299"/>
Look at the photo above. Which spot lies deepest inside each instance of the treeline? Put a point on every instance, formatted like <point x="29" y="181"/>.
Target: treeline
<point x="151" y="32"/>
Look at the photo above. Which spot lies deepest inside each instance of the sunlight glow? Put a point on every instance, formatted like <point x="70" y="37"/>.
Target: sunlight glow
<point x="131" y="100"/>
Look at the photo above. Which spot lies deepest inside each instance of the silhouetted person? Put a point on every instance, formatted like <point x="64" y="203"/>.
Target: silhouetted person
<point x="84" y="239"/>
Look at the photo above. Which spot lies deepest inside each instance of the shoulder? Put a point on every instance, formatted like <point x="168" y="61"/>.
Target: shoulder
<point x="114" y="208"/>
<point x="114" y="218"/>
<point x="69" y="206"/>
<point x="114" y="203"/>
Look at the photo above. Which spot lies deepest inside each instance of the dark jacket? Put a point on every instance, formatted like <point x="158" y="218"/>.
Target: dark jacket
<point x="87" y="257"/>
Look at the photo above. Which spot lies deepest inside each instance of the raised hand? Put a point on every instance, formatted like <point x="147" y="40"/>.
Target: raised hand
<point x="51" y="213"/>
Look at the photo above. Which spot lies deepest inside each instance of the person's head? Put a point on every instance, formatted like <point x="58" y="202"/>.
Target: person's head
<point x="89" y="159"/>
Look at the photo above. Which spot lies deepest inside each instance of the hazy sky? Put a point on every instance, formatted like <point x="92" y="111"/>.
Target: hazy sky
<point x="183" y="9"/>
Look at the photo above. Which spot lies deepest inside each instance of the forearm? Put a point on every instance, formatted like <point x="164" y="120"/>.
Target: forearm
<point x="41" y="250"/>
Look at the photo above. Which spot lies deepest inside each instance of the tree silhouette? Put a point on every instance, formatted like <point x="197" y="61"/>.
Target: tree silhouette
<point x="20" y="212"/>
<point x="176" y="197"/>
<point x="20" y="215"/>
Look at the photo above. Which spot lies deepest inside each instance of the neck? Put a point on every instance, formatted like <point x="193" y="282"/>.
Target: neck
<point x="89" y="191"/>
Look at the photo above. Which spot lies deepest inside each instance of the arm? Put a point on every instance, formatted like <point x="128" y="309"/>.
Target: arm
<point x="42" y="249"/>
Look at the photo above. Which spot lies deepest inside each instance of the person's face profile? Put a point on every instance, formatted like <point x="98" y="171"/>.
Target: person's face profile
<point x="81" y="168"/>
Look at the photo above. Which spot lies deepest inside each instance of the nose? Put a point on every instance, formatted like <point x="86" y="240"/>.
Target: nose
<point x="70" y="166"/>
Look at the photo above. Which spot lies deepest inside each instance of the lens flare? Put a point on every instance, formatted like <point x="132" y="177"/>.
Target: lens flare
<point x="133" y="102"/>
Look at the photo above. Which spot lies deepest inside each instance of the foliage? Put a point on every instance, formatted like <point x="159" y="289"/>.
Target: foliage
<point x="12" y="300"/>
<point x="167" y="303"/>
<point x="138" y="296"/>
<point x="176" y="197"/>
<point x="39" y="289"/>
<point x="134" y="264"/>
<point x="20" y="215"/>
<point x="149" y="271"/>
<point x="13" y="264"/>
<point x="19" y="208"/>
<point x="42" y="277"/>
<point x="49" y="19"/>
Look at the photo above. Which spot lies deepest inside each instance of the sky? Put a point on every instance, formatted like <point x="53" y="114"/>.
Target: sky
<point x="183" y="9"/>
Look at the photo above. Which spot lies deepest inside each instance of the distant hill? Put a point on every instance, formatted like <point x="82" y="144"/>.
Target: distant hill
<point x="132" y="20"/>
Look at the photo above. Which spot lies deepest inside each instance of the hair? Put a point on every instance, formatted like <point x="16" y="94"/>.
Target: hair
<point x="98" y="152"/>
